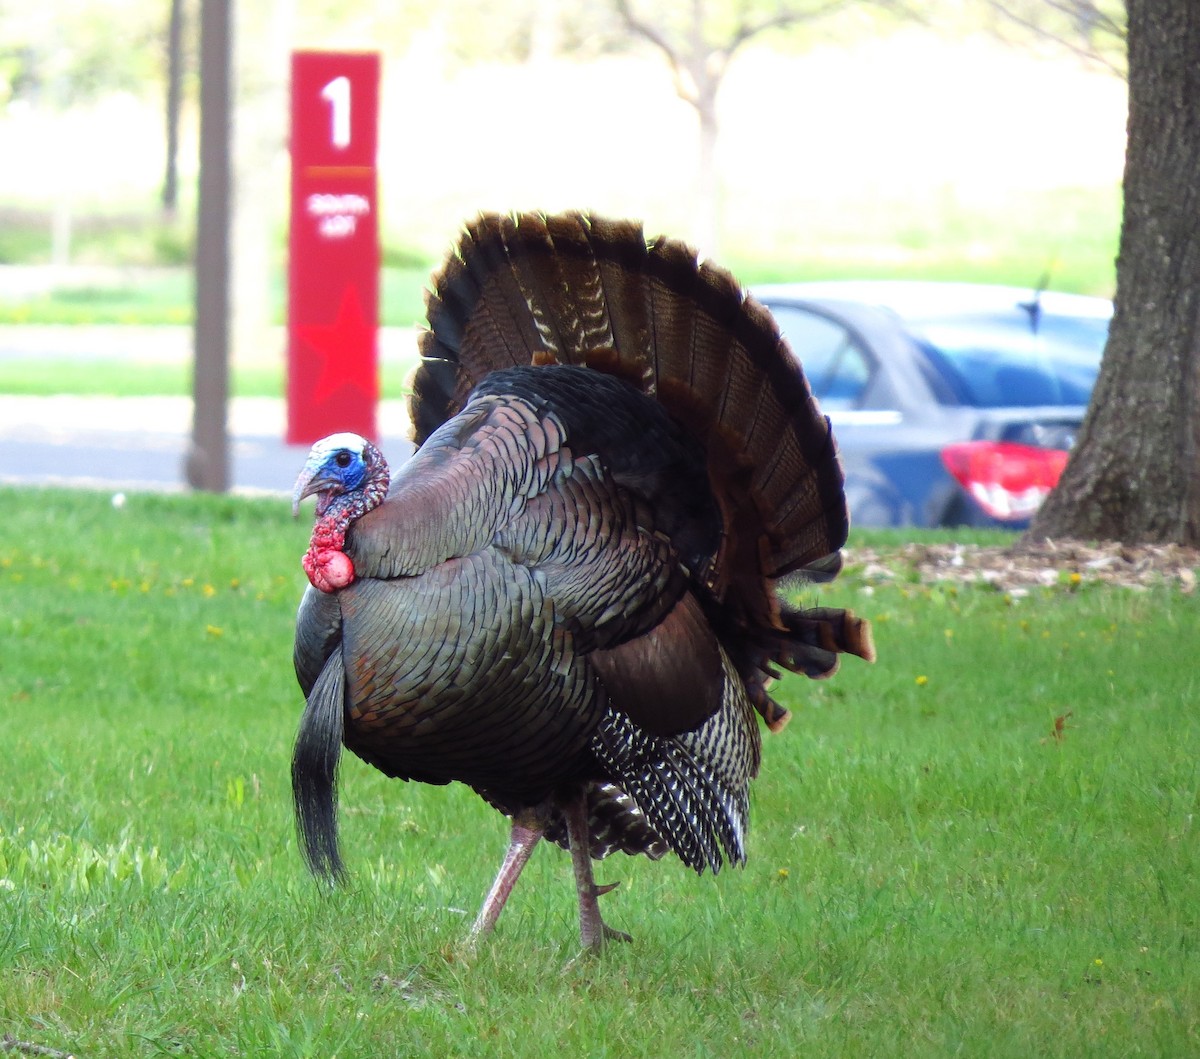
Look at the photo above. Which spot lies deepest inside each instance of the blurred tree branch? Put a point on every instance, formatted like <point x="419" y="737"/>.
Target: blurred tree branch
<point x="1093" y="31"/>
<point x="698" y="56"/>
<point x="698" y="41"/>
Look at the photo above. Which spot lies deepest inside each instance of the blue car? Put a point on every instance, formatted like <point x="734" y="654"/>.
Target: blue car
<point x="953" y="404"/>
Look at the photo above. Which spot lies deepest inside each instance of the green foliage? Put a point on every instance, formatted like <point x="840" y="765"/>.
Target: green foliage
<point x="935" y="866"/>
<point x="23" y="240"/>
<point x="521" y="30"/>
<point x="65" y="54"/>
<point x="108" y="239"/>
<point x="1068" y="234"/>
<point x="165" y="298"/>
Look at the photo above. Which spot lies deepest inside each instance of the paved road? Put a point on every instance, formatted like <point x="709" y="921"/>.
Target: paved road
<point x="139" y="443"/>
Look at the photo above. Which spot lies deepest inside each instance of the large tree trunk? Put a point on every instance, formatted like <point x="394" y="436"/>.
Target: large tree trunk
<point x="1135" y="474"/>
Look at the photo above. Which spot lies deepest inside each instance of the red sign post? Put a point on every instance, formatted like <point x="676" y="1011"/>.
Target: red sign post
<point x="333" y="246"/>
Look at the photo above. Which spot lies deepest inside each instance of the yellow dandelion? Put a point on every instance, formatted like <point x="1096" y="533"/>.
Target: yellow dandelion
<point x="187" y="582"/>
<point x="922" y="680"/>
<point x="208" y="591"/>
<point x="214" y="630"/>
<point x="1074" y="578"/>
<point x="783" y="873"/>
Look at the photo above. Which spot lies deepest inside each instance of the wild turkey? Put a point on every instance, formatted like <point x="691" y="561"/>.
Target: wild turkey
<point x="568" y="598"/>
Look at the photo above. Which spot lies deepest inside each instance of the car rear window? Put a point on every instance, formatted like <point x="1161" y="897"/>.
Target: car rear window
<point x="1002" y="363"/>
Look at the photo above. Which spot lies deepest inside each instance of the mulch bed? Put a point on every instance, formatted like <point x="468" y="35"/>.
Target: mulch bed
<point x="1027" y="564"/>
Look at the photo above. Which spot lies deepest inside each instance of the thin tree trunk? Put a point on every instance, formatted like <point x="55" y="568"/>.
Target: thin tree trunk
<point x="207" y="462"/>
<point x="705" y="223"/>
<point x="545" y="34"/>
<point x="170" y="189"/>
<point x="706" y="81"/>
<point x="1135" y="473"/>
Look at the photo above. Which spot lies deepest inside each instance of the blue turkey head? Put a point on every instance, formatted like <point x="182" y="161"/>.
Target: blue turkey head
<point x="336" y="465"/>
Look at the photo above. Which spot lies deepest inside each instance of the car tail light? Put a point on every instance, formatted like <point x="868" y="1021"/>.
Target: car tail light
<point x="1007" y="480"/>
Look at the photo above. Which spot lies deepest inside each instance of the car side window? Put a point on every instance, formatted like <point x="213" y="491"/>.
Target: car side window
<point x="837" y="368"/>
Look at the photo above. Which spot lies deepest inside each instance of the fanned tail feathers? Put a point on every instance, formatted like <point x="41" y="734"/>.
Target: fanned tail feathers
<point x="577" y="289"/>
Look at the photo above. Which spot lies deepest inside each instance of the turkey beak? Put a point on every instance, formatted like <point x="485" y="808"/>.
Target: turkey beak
<point x="303" y="488"/>
<point x="310" y="482"/>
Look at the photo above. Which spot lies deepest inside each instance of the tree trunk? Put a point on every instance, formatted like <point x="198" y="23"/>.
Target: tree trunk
<point x="1135" y="473"/>
<point x="170" y="189"/>
<point x="545" y="32"/>
<point x="706" y="217"/>
<point x="207" y="462"/>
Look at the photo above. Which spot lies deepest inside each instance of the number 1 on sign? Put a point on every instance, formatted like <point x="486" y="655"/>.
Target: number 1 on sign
<point x="337" y="94"/>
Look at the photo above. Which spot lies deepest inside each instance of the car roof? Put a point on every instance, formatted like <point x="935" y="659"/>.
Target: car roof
<point x="926" y="299"/>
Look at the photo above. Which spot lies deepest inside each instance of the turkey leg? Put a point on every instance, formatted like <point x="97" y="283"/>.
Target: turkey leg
<point x="593" y="931"/>
<point x="527" y="829"/>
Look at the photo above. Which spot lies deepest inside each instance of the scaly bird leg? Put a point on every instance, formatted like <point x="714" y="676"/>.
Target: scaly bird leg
<point x="527" y="829"/>
<point x="593" y="931"/>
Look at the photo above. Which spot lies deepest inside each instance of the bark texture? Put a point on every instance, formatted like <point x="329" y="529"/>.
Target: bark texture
<point x="1134" y="475"/>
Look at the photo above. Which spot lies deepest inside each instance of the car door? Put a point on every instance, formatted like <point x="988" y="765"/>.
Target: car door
<point x="888" y="424"/>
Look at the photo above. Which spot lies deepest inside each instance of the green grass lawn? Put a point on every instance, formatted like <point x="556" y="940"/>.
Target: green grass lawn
<point x="39" y="376"/>
<point x="162" y="296"/>
<point x="166" y="297"/>
<point x="931" y="871"/>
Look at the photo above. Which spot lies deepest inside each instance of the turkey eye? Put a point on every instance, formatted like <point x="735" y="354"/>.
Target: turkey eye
<point x="342" y="459"/>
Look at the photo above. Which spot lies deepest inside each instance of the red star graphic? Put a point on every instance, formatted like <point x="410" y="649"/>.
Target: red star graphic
<point x="347" y="346"/>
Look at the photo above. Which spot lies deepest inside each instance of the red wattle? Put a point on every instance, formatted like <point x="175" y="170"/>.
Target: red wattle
<point x="327" y="566"/>
<point x="328" y="570"/>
